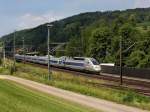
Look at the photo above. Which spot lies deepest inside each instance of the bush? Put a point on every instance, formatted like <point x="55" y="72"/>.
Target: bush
<point x="128" y="98"/>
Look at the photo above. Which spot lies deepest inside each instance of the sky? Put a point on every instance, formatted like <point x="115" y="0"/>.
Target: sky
<point x="22" y="14"/>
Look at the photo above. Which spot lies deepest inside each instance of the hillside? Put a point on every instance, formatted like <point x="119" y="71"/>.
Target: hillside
<point x="95" y="34"/>
<point x="62" y="30"/>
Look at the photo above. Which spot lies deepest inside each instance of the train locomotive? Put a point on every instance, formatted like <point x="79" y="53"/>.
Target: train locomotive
<point x="76" y="63"/>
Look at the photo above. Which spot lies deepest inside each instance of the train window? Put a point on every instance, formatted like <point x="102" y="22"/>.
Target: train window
<point x="94" y="61"/>
<point x="52" y="61"/>
<point x="74" y="64"/>
<point x="78" y="58"/>
<point x="41" y="60"/>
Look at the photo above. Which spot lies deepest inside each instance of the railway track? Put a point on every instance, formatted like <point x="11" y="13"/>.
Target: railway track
<point x="136" y="85"/>
<point x="140" y="86"/>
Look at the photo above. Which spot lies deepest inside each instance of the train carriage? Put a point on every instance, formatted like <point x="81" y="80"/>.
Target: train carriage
<point x="76" y="63"/>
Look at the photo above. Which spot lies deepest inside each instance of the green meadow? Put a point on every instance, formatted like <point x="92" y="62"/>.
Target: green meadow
<point x="79" y="84"/>
<point x="16" y="98"/>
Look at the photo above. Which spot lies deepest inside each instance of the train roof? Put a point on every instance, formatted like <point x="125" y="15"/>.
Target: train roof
<point x="82" y="58"/>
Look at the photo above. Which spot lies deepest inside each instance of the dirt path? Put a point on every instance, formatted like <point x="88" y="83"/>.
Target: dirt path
<point x="95" y="103"/>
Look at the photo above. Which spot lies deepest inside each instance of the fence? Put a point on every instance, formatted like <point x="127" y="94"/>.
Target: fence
<point x="130" y="72"/>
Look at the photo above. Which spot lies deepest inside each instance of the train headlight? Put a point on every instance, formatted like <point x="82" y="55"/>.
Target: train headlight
<point x="97" y="67"/>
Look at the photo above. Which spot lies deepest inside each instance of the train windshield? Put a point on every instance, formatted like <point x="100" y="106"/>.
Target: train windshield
<point x="94" y="61"/>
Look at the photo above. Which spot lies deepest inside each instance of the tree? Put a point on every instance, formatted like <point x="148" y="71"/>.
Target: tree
<point x="134" y="59"/>
<point x="117" y="23"/>
<point x="100" y="43"/>
<point x="144" y="63"/>
<point x="129" y="35"/>
<point x="73" y="48"/>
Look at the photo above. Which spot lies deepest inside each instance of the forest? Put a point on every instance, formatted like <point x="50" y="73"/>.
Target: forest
<point x="94" y="34"/>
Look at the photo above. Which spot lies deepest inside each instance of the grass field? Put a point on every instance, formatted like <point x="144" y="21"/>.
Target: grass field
<point x="15" y="98"/>
<point x="80" y="84"/>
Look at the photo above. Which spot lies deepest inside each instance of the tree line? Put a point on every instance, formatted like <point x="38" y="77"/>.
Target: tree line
<point x="96" y="34"/>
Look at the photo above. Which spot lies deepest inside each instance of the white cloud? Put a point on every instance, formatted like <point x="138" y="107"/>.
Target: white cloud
<point x="142" y="3"/>
<point x="30" y="20"/>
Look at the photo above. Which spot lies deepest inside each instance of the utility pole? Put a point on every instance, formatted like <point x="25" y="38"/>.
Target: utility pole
<point x="121" y="74"/>
<point x="48" y="50"/>
<point x="23" y="50"/>
<point x="4" y="53"/>
<point x="14" y="51"/>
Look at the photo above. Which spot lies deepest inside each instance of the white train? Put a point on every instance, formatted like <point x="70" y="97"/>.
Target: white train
<point x="76" y="63"/>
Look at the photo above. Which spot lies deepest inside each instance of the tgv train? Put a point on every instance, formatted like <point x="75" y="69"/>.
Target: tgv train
<point x="76" y="63"/>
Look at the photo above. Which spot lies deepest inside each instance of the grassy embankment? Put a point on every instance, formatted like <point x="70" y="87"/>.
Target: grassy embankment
<point x="15" y="98"/>
<point x="83" y="85"/>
